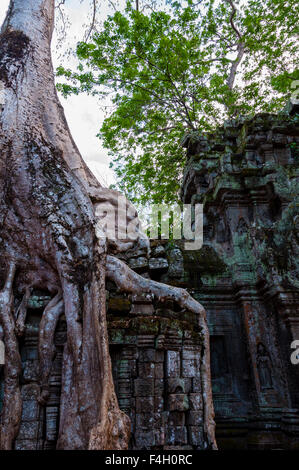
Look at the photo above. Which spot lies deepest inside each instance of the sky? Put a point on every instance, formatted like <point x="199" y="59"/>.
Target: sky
<point x="82" y="112"/>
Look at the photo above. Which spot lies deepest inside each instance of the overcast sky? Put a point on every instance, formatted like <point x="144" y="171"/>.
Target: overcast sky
<point x="82" y="112"/>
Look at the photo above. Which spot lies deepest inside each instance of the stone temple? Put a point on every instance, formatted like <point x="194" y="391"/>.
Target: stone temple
<point x="246" y="275"/>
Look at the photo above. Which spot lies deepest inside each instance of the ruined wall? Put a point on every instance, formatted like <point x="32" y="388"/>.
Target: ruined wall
<point x="246" y="176"/>
<point x="156" y="355"/>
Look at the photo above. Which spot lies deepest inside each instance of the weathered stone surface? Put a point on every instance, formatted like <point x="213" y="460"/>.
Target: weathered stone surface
<point x="195" y="436"/>
<point x="144" y="387"/>
<point x="139" y="264"/>
<point x="119" y="304"/>
<point x="176" y="263"/>
<point x="195" y="401"/>
<point x="158" y="265"/>
<point x="145" y="404"/>
<point x="142" y="309"/>
<point x="178" y="402"/>
<point x="177" y="435"/>
<point x="248" y="275"/>
<point x="194" y="418"/>
<point x="158" y="252"/>
<point x="173" y="364"/>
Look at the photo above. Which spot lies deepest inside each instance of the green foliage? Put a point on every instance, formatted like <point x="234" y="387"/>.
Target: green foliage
<point x="175" y="71"/>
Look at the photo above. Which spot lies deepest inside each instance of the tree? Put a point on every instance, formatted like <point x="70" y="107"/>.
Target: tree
<point x="52" y="239"/>
<point x="183" y="69"/>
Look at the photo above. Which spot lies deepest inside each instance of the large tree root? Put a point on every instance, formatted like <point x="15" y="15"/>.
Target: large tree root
<point x="114" y="427"/>
<point x="90" y="416"/>
<point x="12" y="406"/>
<point x="46" y="348"/>
<point x="21" y="313"/>
<point x="129" y="281"/>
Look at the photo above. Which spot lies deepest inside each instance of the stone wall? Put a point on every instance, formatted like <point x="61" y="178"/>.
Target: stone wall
<point x="246" y="176"/>
<point x="156" y="357"/>
<point x="156" y="354"/>
<point x="246" y="274"/>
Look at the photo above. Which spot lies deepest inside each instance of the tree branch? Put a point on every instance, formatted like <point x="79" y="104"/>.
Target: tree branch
<point x="93" y="20"/>
<point x="240" y="48"/>
<point x="235" y="65"/>
<point x="232" y="16"/>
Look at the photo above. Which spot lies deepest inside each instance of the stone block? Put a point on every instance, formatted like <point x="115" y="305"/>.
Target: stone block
<point x="190" y="368"/>
<point x="144" y="439"/>
<point x="146" y="369"/>
<point x="25" y="444"/>
<point x="178" y="385"/>
<point x="28" y="430"/>
<point x="159" y="370"/>
<point x="196" y="384"/>
<point x="31" y="371"/>
<point x="159" y="386"/>
<point x="30" y="392"/>
<point x="144" y="387"/>
<point x="158" y="404"/>
<point x="176" y="418"/>
<point x="119" y="304"/>
<point x="176" y="263"/>
<point x="142" y="298"/>
<point x="195" y="401"/>
<point x="147" y="355"/>
<point x="158" y="265"/>
<point x="159" y="436"/>
<point x="176" y="435"/>
<point x="157" y="251"/>
<point x="142" y="309"/>
<point x="144" y="421"/>
<point x="194" y="418"/>
<point x="175" y="385"/>
<point x="173" y="363"/>
<point x="195" y="436"/>
<point x="178" y="402"/>
<point x="30" y="410"/>
<point x="145" y="404"/>
<point x="139" y="264"/>
<point x="190" y="354"/>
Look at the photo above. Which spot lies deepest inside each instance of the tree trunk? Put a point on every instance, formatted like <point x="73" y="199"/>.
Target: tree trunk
<point x="48" y="237"/>
<point x="51" y="239"/>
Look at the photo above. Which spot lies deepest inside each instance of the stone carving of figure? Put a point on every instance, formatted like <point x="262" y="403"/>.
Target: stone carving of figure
<point x="264" y="366"/>
<point x="242" y="227"/>
<point x="222" y="233"/>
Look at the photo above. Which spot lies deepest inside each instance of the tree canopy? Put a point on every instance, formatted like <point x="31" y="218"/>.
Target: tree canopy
<point x="184" y="67"/>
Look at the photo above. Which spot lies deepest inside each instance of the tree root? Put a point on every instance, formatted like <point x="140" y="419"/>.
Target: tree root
<point x="129" y="281"/>
<point x="12" y="406"/>
<point x="114" y="427"/>
<point x="90" y="416"/>
<point x="46" y="348"/>
<point x="22" y="313"/>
